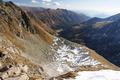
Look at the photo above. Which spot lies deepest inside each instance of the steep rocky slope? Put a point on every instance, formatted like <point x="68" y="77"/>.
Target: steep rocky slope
<point x="30" y="51"/>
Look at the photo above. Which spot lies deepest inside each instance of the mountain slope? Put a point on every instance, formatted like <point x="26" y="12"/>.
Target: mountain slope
<point x="29" y="49"/>
<point x="101" y="36"/>
<point x="109" y="36"/>
<point x="92" y="21"/>
<point x="105" y="40"/>
<point x="113" y="18"/>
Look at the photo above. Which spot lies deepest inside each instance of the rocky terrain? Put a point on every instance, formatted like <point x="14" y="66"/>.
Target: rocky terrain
<point x="30" y="50"/>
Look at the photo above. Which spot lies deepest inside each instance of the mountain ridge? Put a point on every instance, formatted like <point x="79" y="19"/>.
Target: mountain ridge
<point x="57" y="18"/>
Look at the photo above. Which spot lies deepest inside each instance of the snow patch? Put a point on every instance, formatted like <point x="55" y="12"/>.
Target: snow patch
<point x="98" y="75"/>
<point x="59" y="69"/>
<point x="76" y="56"/>
<point x="68" y="54"/>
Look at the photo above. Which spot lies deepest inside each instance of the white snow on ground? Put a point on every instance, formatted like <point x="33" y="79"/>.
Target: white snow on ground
<point x="76" y="56"/>
<point x="98" y="75"/>
<point x="71" y="56"/>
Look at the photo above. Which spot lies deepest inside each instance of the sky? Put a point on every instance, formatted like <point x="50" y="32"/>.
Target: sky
<point x="95" y="8"/>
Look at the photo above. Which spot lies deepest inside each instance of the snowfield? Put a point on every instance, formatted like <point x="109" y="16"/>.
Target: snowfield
<point x="98" y="75"/>
<point x="70" y="56"/>
<point x="76" y="56"/>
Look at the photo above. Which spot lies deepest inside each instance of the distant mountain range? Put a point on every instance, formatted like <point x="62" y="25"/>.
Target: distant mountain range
<point x="96" y="19"/>
<point x="59" y="18"/>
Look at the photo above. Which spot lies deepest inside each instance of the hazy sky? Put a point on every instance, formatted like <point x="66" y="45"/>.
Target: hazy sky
<point x="92" y="7"/>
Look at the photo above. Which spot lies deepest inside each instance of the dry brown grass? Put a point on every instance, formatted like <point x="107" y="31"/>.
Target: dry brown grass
<point x="66" y="76"/>
<point x="42" y="33"/>
<point x="13" y="39"/>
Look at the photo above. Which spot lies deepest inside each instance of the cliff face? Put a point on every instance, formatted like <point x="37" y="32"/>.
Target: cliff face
<point x="29" y="50"/>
